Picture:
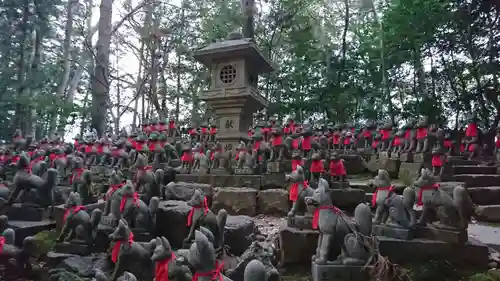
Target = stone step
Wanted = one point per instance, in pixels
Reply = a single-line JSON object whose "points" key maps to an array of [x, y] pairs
{"points": [[474, 169], [463, 162], [478, 180], [488, 213], [488, 195]]}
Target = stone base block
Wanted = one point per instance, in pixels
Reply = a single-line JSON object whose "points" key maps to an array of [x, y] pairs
{"points": [[75, 248], [24, 229], [421, 250], [393, 232], [279, 167], [406, 157], [347, 198], [254, 181], [409, 171], [300, 222], [446, 235], [338, 272], [339, 184], [273, 202], [23, 212], [395, 155], [235, 200], [422, 158], [243, 171], [297, 245]]}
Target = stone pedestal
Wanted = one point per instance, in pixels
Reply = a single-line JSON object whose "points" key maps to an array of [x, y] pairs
{"points": [[279, 167], [300, 222], [395, 155], [406, 157], [75, 248], [23, 212], [243, 171], [446, 235], [339, 184], [347, 198], [422, 158], [339, 272], [393, 232]]}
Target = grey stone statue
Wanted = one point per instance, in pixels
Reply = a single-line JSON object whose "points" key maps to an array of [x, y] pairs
{"points": [[336, 227]]}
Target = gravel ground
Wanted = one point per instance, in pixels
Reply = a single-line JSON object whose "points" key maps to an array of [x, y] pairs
{"points": [[267, 225]]}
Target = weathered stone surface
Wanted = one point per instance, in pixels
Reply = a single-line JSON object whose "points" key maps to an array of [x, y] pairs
{"points": [[449, 236], [183, 191], [422, 158], [354, 164], [409, 170], [84, 266], [385, 163], [393, 232], [489, 195], [60, 210], [478, 180], [273, 181], [273, 202], [368, 187], [237, 234], [421, 250], [339, 272], [297, 246], [253, 181], [236, 200], [459, 160], [279, 166], [25, 213], [262, 251], [172, 219], [474, 169], [347, 198], [449, 186], [24, 229], [406, 157], [488, 213]]}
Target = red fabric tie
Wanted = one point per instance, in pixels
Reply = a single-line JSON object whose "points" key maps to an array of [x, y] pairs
{"points": [[161, 269], [436, 161], [471, 130], [135, 201], [295, 163], [191, 212], [294, 190], [187, 156], [58, 156], [421, 192], [277, 140], [316, 214], [421, 133], [34, 161], [76, 174], [317, 166], [214, 274], [144, 169], [2, 243], [374, 196], [74, 209], [116, 249], [112, 189], [306, 143]]}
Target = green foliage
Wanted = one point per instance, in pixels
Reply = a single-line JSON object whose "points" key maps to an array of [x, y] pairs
{"points": [[45, 241]]}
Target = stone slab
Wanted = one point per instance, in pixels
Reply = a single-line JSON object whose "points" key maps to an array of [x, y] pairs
{"points": [[433, 233], [393, 232], [487, 234], [489, 195], [279, 167], [24, 229], [422, 157], [478, 180], [253, 181], [336, 272], [423, 250], [297, 245], [488, 213], [24, 213], [354, 163], [339, 184], [409, 171], [79, 248], [347, 198], [406, 157], [243, 171], [300, 222]]}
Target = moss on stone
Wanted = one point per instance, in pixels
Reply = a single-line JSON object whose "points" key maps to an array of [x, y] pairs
{"points": [[45, 241]]}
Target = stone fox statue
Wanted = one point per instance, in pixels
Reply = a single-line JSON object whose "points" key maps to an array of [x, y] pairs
{"points": [[128, 254], [14, 260], [23, 181], [452, 211], [336, 227], [202, 257], [166, 265], [299, 190], [390, 205], [77, 221], [127, 205], [201, 215]]}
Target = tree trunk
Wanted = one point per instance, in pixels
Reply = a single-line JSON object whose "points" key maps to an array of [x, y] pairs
{"points": [[100, 80], [66, 68], [20, 113], [31, 80]]}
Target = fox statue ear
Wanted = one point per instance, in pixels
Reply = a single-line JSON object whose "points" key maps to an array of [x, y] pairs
{"points": [[165, 243]]}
